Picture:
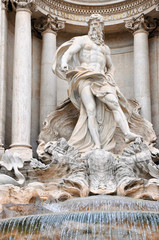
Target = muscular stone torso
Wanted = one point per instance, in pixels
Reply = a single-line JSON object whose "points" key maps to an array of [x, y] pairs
{"points": [[93, 56]]}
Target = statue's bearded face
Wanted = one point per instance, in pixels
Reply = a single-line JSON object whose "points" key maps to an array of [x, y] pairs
{"points": [[95, 32], [95, 26]]}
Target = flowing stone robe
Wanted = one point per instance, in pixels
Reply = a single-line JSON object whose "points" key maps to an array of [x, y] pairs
{"points": [[100, 84]]}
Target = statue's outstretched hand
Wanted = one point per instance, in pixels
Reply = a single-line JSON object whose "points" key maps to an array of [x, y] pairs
{"points": [[64, 67]]}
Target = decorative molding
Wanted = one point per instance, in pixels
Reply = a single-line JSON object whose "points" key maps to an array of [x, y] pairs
{"points": [[141, 23], [81, 13], [47, 23], [93, 2]]}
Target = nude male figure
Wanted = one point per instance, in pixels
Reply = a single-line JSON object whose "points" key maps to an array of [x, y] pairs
{"points": [[94, 56]]}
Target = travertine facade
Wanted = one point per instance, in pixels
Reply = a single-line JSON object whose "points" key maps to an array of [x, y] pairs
{"points": [[29, 90]]}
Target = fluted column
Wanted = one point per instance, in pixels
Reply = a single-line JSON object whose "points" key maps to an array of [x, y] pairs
{"points": [[140, 27], [3, 72], [21, 110], [48, 27]]}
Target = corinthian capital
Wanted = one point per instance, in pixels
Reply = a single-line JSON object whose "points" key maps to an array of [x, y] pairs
{"points": [[29, 4], [141, 23], [48, 23], [5, 4]]}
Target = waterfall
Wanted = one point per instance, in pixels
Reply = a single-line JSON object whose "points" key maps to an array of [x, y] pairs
{"points": [[97, 217]]}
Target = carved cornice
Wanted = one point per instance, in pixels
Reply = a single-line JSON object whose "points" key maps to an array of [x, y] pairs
{"points": [[25, 4], [47, 23], [141, 23], [81, 13]]}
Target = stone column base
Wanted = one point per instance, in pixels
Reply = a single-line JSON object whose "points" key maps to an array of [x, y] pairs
{"points": [[24, 152]]}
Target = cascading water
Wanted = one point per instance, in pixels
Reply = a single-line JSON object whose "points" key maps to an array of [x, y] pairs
{"points": [[97, 217]]}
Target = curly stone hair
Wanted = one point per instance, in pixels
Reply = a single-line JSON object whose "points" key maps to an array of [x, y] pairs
{"points": [[97, 17]]}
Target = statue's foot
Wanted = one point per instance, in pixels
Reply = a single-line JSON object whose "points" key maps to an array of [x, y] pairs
{"points": [[96, 146], [131, 137]]}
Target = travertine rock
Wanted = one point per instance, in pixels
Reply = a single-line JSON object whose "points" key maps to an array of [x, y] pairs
{"points": [[69, 174], [131, 174], [67, 169], [137, 174]]}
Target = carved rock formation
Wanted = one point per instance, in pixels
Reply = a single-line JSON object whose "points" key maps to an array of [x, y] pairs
{"points": [[131, 174], [100, 172]]}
